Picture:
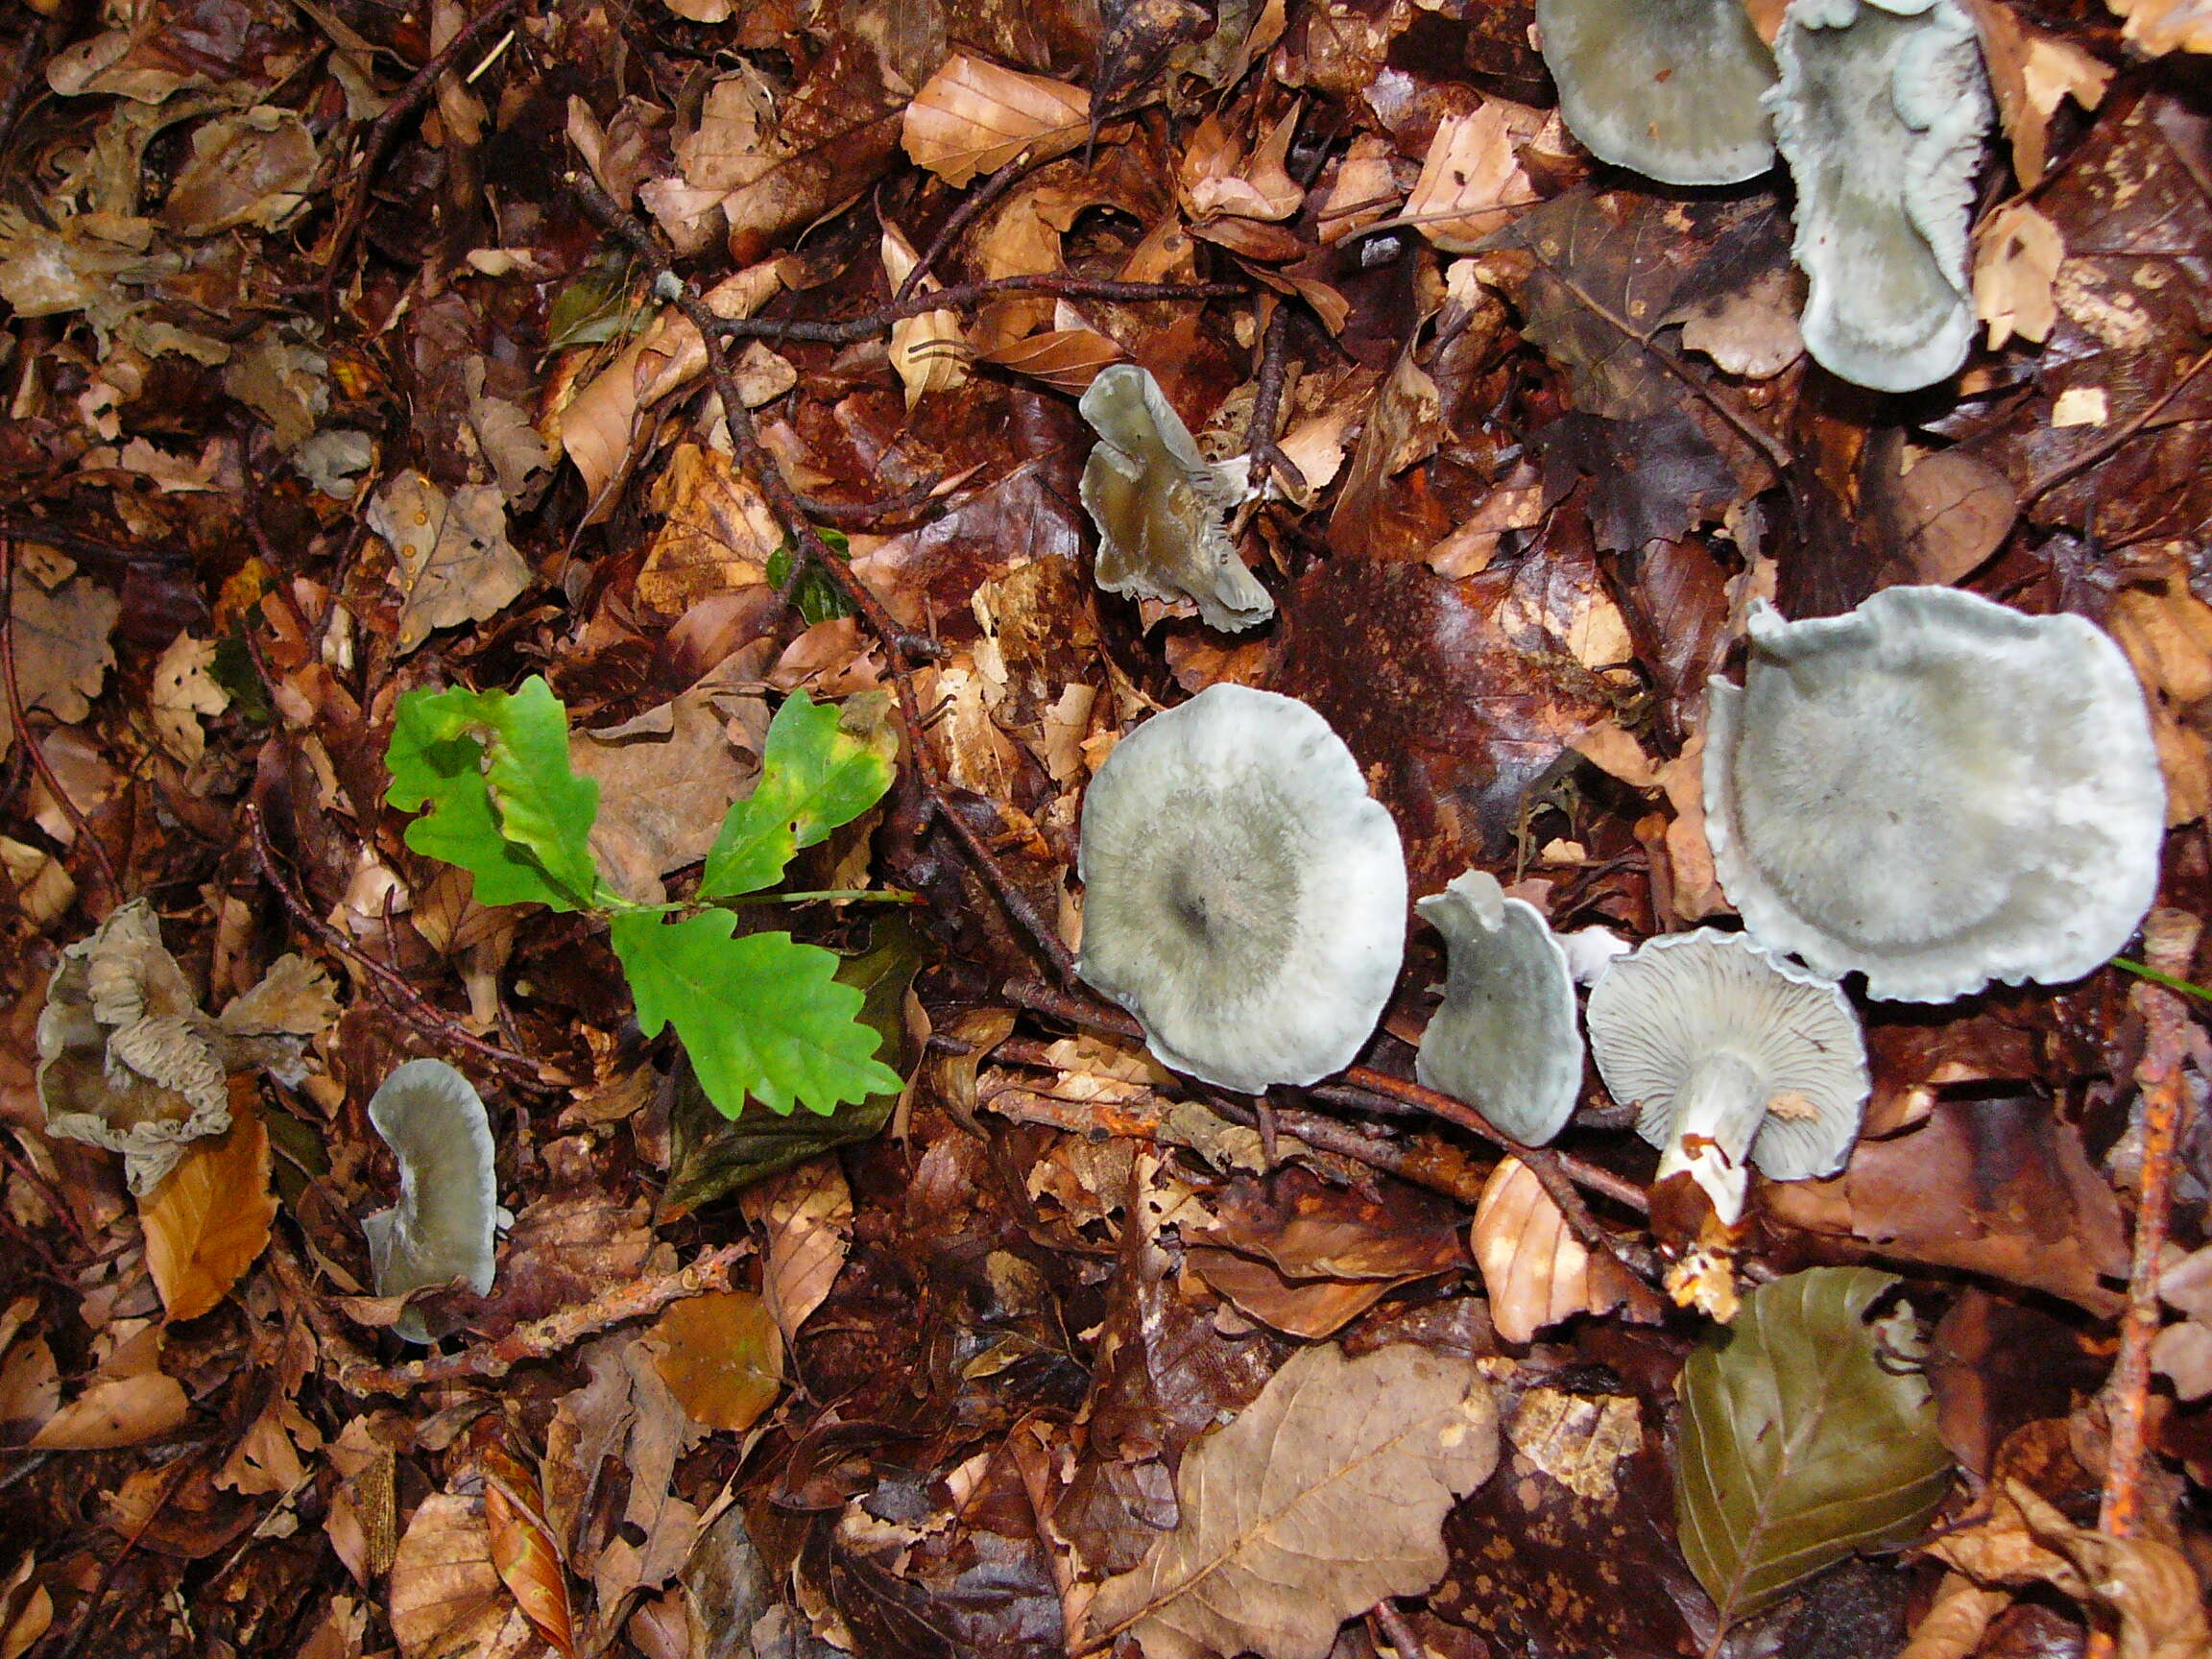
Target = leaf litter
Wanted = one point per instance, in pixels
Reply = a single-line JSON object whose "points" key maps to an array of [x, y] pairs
{"points": [[422, 642]]}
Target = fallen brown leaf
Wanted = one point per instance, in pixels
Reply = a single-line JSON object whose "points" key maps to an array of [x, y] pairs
{"points": [[1324, 1496], [974, 118], [722, 1358], [210, 1218], [808, 1215], [1536, 1271]]}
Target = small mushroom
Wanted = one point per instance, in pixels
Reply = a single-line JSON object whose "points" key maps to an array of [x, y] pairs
{"points": [[1160, 505], [1881, 112], [1505, 1040], [1669, 88], [1725, 1050], [444, 1225], [1244, 896], [1936, 791]]}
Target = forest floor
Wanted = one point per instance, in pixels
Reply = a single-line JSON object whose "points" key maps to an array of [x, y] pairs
{"points": [[352, 355]]}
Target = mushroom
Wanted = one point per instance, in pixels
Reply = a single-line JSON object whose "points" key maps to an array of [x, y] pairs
{"points": [[1936, 791], [1160, 505], [448, 1211], [1726, 1051], [1669, 88], [1505, 1040], [1880, 112], [1244, 896]]}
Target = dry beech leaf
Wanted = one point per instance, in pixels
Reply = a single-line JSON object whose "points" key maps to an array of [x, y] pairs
{"points": [[2147, 1587], [1327, 1494], [1537, 1273], [1219, 177], [26, 1610], [929, 352], [721, 1357], [1470, 181], [445, 1594], [1065, 359], [975, 117], [1954, 512], [2017, 254], [116, 1412], [523, 1552], [453, 563], [2032, 72], [2158, 26], [808, 1215], [209, 1220]]}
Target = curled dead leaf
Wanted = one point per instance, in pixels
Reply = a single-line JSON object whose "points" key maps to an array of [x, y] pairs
{"points": [[975, 117], [1536, 1271]]}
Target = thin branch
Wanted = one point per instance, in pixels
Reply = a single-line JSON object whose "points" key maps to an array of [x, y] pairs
{"points": [[964, 215], [1777, 452], [901, 647], [1268, 406], [402, 109], [556, 1334], [394, 988], [1363, 1087], [871, 323], [22, 727], [2118, 436], [2169, 1041]]}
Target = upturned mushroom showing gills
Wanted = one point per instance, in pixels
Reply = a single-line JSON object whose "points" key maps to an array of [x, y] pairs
{"points": [[1936, 791], [1244, 896], [1505, 1040], [1727, 1053], [1880, 112], [1160, 505], [1669, 88], [445, 1223]]}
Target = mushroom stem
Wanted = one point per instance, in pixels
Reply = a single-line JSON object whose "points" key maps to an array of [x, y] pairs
{"points": [[1716, 1118]]}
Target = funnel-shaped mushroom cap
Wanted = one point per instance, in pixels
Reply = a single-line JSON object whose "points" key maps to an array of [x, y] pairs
{"points": [[1244, 898], [1880, 112], [1505, 1040], [1159, 505], [443, 1224], [1690, 1008], [1937, 791], [1669, 87]]}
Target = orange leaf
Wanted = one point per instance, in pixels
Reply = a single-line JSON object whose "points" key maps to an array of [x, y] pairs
{"points": [[1536, 1271], [523, 1552], [209, 1217], [721, 1357]]}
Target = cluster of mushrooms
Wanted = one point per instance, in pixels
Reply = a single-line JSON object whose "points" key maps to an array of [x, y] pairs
{"points": [[1880, 109], [1934, 791]]}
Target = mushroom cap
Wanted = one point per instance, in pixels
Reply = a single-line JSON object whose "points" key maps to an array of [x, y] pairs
{"points": [[1505, 1041], [1160, 505], [1244, 895], [445, 1223], [1686, 997], [1669, 88], [1880, 111], [1937, 791]]}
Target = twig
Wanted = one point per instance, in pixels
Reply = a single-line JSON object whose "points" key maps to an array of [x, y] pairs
{"points": [[1777, 452], [901, 647], [962, 294], [1363, 1086], [1268, 403], [1386, 1622], [30, 746], [964, 215], [2170, 940], [83, 1627], [402, 109], [2118, 436], [86, 546], [868, 512], [555, 1333], [395, 990]]}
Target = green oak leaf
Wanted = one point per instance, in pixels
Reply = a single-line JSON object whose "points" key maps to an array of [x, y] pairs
{"points": [[1801, 1441], [492, 766], [759, 1016], [814, 776]]}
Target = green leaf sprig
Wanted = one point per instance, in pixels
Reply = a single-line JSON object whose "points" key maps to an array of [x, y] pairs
{"points": [[761, 1016]]}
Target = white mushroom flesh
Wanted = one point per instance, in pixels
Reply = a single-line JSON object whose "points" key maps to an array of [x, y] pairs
{"points": [[444, 1224], [1669, 88], [1244, 895], [1937, 791]]}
